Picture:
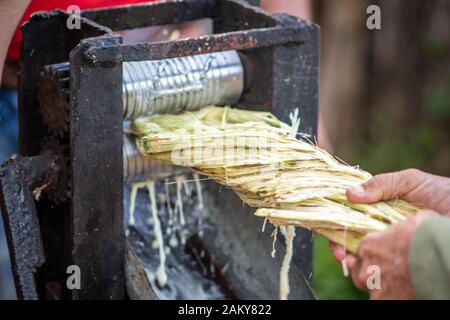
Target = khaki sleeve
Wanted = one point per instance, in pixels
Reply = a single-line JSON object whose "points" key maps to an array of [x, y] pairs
{"points": [[429, 259]]}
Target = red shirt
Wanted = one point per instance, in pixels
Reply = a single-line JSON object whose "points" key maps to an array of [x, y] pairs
{"points": [[47, 5]]}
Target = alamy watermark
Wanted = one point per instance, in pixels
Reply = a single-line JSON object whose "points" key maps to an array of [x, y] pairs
{"points": [[73, 281], [374, 279], [223, 150], [73, 21], [373, 21]]}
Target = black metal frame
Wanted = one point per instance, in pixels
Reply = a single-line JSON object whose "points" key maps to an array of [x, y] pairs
{"points": [[85, 226]]}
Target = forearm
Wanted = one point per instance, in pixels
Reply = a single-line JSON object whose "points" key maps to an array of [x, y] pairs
{"points": [[429, 259], [10, 13]]}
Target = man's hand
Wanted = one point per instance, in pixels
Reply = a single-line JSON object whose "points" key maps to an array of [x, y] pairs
{"points": [[389, 249], [430, 191]]}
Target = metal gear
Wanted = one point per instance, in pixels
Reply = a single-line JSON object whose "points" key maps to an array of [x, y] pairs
{"points": [[53, 97]]}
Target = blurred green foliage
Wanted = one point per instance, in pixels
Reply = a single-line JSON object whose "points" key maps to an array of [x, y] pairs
{"points": [[421, 142], [328, 279], [436, 102], [400, 100]]}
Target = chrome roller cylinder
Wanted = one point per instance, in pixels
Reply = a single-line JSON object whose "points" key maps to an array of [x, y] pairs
{"points": [[180, 84], [136, 167]]}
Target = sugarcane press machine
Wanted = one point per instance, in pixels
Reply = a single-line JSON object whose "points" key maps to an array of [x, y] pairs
{"points": [[64, 198]]}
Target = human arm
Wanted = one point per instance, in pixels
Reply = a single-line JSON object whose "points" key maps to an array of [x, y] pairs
{"points": [[10, 13], [413, 253]]}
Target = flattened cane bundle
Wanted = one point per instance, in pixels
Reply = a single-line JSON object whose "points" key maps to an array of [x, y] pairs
{"points": [[292, 181]]}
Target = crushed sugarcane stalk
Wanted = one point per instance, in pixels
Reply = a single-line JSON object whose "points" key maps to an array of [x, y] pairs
{"points": [[291, 181]]}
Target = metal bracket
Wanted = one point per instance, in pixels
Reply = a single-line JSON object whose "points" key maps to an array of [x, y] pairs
{"points": [[22, 179]]}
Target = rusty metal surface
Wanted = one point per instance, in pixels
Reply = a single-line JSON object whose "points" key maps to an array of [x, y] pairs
{"points": [[22, 179], [48, 41], [236, 40], [96, 168], [137, 283]]}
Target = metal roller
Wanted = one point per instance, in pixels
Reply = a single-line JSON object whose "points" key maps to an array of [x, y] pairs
{"points": [[149, 87], [179, 84]]}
